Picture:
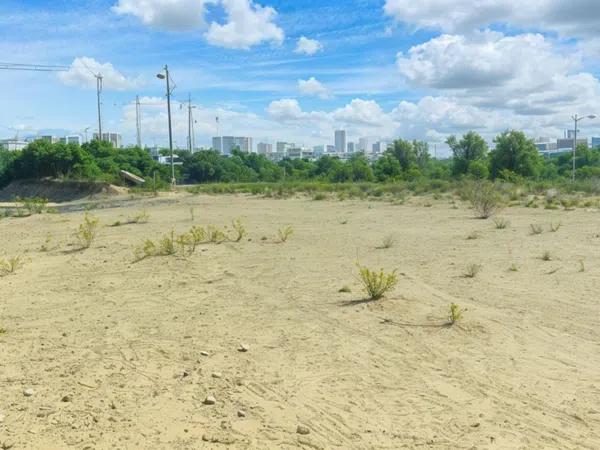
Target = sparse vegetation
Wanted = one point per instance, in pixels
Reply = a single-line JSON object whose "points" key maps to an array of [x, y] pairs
{"points": [[47, 245], [546, 256], [473, 270], [215, 235], [10, 265], [285, 233], [581, 266], [320, 196], [554, 227], [86, 233], [345, 289], [455, 314], [536, 229], [376, 284], [240, 230], [501, 223], [485, 199], [513, 268], [141, 217]]}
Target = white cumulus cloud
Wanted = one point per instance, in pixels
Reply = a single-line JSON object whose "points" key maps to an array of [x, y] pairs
{"points": [[83, 70], [308, 46], [313, 87], [247, 24], [175, 15]]}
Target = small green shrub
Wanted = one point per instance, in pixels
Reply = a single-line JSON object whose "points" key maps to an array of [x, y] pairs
{"points": [[536, 229], [455, 314], [47, 245], [484, 198], [11, 265], [319, 196], [215, 235], [501, 223], [554, 227], [513, 268], [240, 230], [167, 245], [86, 233], [376, 284], [473, 270], [285, 233]]}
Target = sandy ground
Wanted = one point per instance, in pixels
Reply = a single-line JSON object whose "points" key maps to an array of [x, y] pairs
{"points": [[123, 343]]}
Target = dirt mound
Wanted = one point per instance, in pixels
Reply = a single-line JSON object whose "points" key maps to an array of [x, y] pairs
{"points": [[58, 191]]}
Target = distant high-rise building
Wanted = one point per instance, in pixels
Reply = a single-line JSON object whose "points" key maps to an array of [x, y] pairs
{"points": [[380, 146], [365, 145], [114, 138], [596, 142], [351, 147], [226, 144], [330, 149], [570, 134], [318, 150], [568, 143], [263, 148], [73, 139], [340, 141], [282, 147], [48, 138]]}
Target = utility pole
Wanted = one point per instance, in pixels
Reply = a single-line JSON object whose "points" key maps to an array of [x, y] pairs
{"points": [[168, 78], [138, 121], [219, 136], [191, 138], [576, 119], [98, 92]]}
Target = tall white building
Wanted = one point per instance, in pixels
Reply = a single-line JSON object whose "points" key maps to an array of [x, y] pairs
{"points": [[114, 138], [263, 148], [226, 144], [72, 139], [340, 141], [365, 145], [283, 147]]}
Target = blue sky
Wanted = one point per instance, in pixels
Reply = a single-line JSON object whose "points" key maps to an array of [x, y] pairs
{"points": [[377, 68]]}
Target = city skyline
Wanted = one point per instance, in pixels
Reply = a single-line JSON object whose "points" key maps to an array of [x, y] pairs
{"points": [[298, 71]]}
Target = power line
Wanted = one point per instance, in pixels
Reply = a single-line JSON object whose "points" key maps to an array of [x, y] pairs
{"points": [[33, 67]]}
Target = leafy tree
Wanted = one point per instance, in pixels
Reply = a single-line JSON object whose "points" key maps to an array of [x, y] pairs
{"points": [[405, 153], [515, 153], [471, 147], [387, 168]]}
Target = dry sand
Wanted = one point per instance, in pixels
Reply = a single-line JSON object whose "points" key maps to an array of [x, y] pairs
{"points": [[123, 342]]}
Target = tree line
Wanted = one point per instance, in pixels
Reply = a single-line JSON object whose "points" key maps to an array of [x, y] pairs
{"points": [[513, 157]]}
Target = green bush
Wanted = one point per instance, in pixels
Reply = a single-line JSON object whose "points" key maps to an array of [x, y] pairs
{"points": [[376, 284]]}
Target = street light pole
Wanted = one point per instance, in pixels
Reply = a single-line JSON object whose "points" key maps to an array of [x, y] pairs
{"points": [[167, 77], [576, 119]]}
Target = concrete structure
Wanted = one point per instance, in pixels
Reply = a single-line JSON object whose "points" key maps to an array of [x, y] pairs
{"points": [[225, 144], [340, 141], [365, 144], [330, 149], [546, 147], [72, 139], [562, 144], [13, 145], [263, 148], [47, 138], [351, 147], [596, 142], [284, 146], [114, 138], [380, 147]]}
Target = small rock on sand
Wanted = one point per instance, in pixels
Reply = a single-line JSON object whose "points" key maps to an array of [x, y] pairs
{"points": [[203, 353], [217, 375], [241, 413], [2, 417], [28, 392], [67, 398], [243, 348], [302, 429], [210, 400]]}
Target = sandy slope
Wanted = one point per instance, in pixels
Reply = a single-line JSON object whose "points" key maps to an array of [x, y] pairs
{"points": [[125, 340]]}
